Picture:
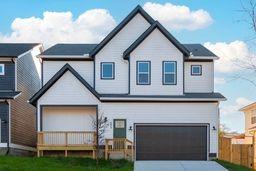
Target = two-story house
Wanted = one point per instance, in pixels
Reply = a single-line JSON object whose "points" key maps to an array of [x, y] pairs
{"points": [[19, 80], [250, 122], [152, 91]]}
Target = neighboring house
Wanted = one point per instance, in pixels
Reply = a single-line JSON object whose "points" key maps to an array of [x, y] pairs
{"points": [[19, 80], [152, 90], [250, 121]]}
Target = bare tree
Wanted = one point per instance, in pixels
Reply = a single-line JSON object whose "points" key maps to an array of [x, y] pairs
{"points": [[248, 64], [99, 124]]}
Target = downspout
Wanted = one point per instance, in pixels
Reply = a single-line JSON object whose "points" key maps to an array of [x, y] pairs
{"points": [[8, 139]]}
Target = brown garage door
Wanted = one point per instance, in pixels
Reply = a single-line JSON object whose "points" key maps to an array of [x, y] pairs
{"points": [[165, 142]]}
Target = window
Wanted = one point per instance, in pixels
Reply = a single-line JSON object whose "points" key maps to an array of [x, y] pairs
{"points": [[1, 69], [253, 119], [143, 72], [169, 72], [196, 70], [107, 70]]}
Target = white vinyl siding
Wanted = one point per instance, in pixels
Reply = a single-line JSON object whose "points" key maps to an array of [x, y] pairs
{"points": [[200, 84], [204, 113], [156, 48], [84, 68], [113, 51]]}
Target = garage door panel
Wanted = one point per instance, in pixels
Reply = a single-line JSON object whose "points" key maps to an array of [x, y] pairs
{"points": [[165, 142]]}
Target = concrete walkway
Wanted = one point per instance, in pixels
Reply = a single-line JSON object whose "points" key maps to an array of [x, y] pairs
{"points": [[177, 166]]}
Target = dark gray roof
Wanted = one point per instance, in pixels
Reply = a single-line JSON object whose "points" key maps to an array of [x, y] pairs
{"points": [[8, 95], [69, 49], [168, 35], [198, 50], [15, 49], [186, 95]]}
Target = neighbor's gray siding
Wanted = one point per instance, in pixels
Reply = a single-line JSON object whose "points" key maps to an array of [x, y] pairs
{"points": [[23, 115], [7, 81], [4, 115]]}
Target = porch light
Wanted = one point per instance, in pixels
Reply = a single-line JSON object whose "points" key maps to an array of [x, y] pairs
{"points": [[105, 119], [130, 128], [214, 128]]}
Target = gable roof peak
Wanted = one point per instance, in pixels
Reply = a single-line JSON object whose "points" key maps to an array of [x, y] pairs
{"points": [[120, 26], [165, 32]]}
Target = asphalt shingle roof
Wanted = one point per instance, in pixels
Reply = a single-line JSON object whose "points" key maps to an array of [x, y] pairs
{"points": [[8, 95], [198, 50], [69, 49], [15, 49]]}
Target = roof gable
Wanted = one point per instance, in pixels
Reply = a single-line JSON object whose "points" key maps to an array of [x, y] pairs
{"points": [[157, 25], [55, 78], [120, 26]]}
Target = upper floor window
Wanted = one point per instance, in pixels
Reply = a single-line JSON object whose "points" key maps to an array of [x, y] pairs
{"points": [[253, 119], [107, 70], [196, 70], [169, 72], [1, 69], [143, 72]]}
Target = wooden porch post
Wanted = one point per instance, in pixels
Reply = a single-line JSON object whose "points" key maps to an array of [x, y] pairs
{"points": [[106, 149]]}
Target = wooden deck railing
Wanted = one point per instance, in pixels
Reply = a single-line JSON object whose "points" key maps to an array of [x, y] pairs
{"points": [[66, 140], [119, 145]]}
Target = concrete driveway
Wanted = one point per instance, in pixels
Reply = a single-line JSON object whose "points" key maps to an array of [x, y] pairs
{"points": [[177, 166]]}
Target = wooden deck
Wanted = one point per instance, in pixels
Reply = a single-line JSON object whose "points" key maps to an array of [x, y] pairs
{"points": [[119, 145], [66, 141]]}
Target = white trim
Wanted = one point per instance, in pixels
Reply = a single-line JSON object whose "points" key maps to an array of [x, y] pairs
{"points": [[9, 122], [200, 70], [204, 57], [142, 72], [112, 70], [64, 56], [207, 125], [161, 99], [174, 72], [22, 147], [3, 72], [15, 65], [3, 144]]}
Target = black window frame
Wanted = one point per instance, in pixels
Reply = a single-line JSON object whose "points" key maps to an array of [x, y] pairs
{"points": [[201, 70], [113, 71], [163, 73], [149, 72]]}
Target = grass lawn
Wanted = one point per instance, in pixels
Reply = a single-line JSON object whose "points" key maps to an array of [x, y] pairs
{"points": [[233, 167], [60, 163]]}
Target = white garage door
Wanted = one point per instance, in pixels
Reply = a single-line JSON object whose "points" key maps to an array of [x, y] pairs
{"points": [[68, 118]]}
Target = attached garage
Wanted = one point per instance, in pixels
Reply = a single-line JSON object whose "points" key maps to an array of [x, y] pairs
{"points": [[171, 142]]}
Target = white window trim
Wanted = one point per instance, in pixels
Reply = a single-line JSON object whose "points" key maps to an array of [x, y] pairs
{"points": [[139, 72], [200, 70], [113, 70], [170, 72], [2, 73]]}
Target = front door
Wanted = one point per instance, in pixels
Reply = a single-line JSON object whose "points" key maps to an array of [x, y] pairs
{"points": [[119, 128]]}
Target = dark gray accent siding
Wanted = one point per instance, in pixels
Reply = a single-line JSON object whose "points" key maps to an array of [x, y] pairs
{"points": [[7, 81], [23, 115], [4, 116]]}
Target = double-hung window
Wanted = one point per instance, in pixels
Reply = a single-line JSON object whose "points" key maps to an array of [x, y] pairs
{"points": [[143, 72], [1, 69], [169, 72], [107, 70], [196, 70]]}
